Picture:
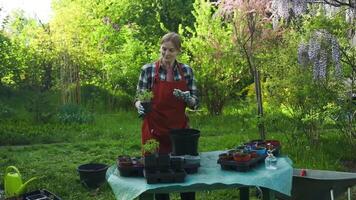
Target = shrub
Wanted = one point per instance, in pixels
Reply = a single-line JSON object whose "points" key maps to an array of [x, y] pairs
{"points": [[6, 111], [41, 107]]}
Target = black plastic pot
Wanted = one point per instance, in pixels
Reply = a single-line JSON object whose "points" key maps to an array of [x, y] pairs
{"points": [[92, 175], [40, 195], [150, 161], [184, 141]]}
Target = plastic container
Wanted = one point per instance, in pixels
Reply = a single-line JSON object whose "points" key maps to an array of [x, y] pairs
{"points": [[239, 166], [92, 175], [184, 141], [271, 161], [165, 176], [134, 169], [192, 159], [40, 195]]}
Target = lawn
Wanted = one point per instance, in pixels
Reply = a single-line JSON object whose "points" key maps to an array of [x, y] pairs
{"points": [[57, 153]]}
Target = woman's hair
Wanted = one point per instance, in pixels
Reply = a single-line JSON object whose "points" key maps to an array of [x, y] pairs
{"points": [[174, 38]]}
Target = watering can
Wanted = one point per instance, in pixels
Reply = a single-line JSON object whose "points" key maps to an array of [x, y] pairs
{"points": [[14, 186]]}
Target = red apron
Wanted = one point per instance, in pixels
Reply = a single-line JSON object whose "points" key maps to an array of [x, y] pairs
{"points": [[167, 112]]}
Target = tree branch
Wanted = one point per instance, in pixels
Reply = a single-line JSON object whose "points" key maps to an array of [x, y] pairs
{"points": [[338, 3]]}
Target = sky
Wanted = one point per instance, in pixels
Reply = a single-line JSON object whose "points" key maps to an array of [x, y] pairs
{"points": [[33, 8]]}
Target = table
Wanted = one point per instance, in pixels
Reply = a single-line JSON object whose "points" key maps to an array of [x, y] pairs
{"points": [[209, 177]]}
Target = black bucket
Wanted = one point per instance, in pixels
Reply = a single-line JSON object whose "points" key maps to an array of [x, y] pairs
{"points": [[92, 175], [184, 141]]}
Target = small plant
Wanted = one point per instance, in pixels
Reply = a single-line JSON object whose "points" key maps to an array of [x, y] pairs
{"points": [[151, 146], [145, 96]]}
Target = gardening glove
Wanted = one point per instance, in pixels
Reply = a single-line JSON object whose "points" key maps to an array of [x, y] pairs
{"points": [[185, 96], [140, 108]]}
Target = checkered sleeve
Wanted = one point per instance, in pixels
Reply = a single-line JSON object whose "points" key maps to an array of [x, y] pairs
{"points": [[192, 85]]}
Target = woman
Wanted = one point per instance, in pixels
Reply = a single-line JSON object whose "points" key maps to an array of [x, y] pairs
{"points": [[174, 88]]}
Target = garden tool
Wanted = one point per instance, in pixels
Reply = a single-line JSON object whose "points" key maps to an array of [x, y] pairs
{"points": [[14, 186]]}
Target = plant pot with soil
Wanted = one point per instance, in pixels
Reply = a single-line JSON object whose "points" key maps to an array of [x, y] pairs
{"points": [[145, 97], [260, 150], [184, 141], [242, 157], [124, 161], [150, 149]]}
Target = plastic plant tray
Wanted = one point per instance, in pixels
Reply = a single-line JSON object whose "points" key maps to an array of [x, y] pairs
{"points": [[191, 168], [164, 176], [240, 166], [131, 171], [40, 195], [134, 170]]}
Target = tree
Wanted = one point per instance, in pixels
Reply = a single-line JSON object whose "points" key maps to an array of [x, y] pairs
{"points": [[218, 68], [250, 21]]}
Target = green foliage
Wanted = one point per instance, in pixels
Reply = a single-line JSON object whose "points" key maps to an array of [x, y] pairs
{"points": [[119, 134], [41, 107], [151, 146], [311, 103], [217, 65], [72, 113], [176, 13], [145, 95], [6, 112]]}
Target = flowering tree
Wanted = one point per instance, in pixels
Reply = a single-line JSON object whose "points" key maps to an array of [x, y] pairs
{"points": [[249, 19], [317, 52]]}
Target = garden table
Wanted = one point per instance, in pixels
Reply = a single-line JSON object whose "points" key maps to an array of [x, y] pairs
{"points": [[209, 177]]}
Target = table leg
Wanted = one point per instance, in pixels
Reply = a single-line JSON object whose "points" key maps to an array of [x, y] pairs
{"points": [[146, 196], [244, 193], [267, 194]]}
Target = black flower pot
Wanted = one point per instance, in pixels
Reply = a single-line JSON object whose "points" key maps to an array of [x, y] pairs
{"points": [[184, 141], [92, 175], [150, 161]]}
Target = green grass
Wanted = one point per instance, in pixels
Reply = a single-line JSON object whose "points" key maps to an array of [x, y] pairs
{"points": [[56, 150]]}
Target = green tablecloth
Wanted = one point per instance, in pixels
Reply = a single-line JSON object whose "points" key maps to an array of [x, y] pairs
{"points": [[209, 176]]}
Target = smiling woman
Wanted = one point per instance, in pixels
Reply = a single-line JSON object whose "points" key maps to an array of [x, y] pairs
{"points": [[38, 9]]}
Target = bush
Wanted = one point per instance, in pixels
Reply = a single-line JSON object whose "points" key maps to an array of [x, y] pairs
{"points": [[41, 107], [72, 113], [121, 100], [6, 111]]}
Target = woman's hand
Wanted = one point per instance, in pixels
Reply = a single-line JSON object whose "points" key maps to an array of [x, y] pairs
{"points": [[185, 96], [140, 108]]}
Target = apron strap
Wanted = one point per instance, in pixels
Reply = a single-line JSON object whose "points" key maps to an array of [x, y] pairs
{"points": [[157, 65]]}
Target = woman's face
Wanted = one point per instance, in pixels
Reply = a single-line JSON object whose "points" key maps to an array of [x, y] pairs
{"points": [[168, 52]]}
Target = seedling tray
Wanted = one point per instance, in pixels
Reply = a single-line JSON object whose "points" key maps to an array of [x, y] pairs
{"points": [[131, 171], [191, 168], [164, 176], [40, 195], [240, 166]]}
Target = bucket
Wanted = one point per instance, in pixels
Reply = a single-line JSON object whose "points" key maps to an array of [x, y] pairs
{"points": [[92, 175], [184, 141]]}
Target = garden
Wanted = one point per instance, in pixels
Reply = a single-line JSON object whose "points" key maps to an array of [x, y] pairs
{"points": [[265, 69]]}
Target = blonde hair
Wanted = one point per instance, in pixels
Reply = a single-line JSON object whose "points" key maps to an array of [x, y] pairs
{"points": [[174, 38]]}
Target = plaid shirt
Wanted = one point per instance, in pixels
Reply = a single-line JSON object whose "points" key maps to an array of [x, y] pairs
{"points": [[145, 81]]}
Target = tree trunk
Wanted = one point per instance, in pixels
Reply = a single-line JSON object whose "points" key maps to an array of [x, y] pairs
{"points": [[260, 125]]}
